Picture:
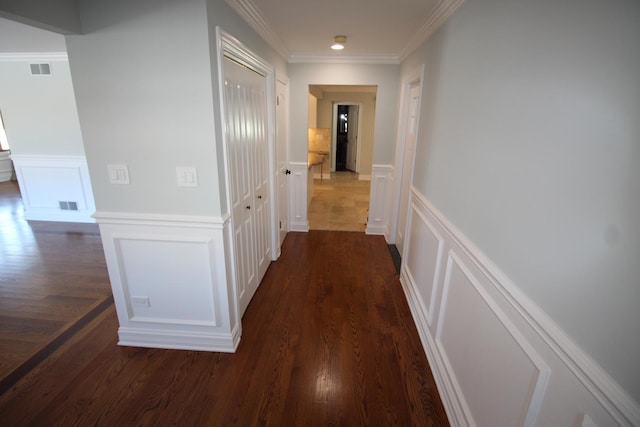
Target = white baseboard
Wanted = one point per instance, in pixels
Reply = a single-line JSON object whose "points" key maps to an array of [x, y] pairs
{"points": [[364, 177], [45, 181], [298, 188], [381, 185], [489, 346], [179, 340], [172, 280]]}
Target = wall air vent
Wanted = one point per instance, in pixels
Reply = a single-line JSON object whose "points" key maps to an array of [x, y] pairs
{"points": [[40, 69], [69, 206]]}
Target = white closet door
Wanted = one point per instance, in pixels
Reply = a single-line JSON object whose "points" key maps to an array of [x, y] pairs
{"points": [[247, 141]]}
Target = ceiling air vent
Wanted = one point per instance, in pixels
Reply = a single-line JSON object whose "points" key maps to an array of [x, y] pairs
{"points": [[40, 69]]}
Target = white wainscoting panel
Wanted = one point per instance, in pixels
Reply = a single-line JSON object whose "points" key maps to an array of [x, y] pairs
{"points": [[172, 281], [498, 360], [6, 168], [472, 328], [298, 188], [45, 181], [423, 239], [380, 200]]}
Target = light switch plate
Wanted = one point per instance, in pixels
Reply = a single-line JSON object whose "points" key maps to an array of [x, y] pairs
{"points": [[187, 176], [118, 174]]}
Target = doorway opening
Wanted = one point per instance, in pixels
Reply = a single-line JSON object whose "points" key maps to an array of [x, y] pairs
{"points": [[341, 124]]}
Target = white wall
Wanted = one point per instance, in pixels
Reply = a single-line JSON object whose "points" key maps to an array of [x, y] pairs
{"points": [[529, 146], [386, 77]]}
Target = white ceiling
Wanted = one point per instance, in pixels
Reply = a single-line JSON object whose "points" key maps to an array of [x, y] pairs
{"points": [[377, 30]]}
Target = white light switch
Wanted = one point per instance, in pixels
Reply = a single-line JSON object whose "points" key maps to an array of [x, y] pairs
{"points": [[187, 176], [118, 174]]}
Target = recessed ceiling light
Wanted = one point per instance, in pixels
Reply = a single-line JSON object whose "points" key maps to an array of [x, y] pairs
{"points": [[339, 42]]}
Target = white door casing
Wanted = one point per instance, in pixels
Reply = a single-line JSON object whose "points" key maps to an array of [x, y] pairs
{"points": [[282, 127], [352, 138], [334, 134], [410, 131]]}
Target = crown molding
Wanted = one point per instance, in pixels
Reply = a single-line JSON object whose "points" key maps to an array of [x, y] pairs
{"points": [[353, 59], [250, 13], [443, 10], [33, 56]]}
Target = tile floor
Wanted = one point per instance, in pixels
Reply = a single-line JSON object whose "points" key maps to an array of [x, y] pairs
{"points": [[340, 203]]}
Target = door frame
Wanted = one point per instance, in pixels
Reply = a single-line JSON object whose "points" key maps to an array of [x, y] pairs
{"points": [[334, 133], [416, 76]]}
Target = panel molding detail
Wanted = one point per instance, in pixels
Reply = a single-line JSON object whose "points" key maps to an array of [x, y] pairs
{"points": [[298, 192], [171, 278], [485, 338], [45, 181], [380, 200], [6, 168]]}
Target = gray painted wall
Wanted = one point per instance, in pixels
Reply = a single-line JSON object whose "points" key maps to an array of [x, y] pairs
{"points": [[39, 112], [145, 76], [530, 145], [60, 15]]}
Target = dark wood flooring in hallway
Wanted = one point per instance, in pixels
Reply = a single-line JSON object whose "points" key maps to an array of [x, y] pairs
{"points": [[328, 339]]}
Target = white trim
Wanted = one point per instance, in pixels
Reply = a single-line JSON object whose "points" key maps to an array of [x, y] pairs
{"points": [[364, 177], [379, 200], [437, 273], [436, 18], [600, 386], [334, 132], [162, 220], [39, 178], [215, 325], [33, 56], [298, 58], [179, 340], [298, 201], [252, 16], [416, 76], [535, 398]]}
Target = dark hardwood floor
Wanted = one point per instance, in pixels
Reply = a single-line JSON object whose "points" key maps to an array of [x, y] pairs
{"points": [[52, 275], [327, 340]]}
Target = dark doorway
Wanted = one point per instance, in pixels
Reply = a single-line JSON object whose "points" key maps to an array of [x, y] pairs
{"points": [[342, 137]]}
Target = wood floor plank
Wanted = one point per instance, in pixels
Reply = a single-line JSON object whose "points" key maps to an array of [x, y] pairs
{"points": [[328, 339]]}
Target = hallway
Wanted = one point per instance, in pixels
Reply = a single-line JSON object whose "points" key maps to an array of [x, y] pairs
{"points": [[328, 339], [340, 203]]}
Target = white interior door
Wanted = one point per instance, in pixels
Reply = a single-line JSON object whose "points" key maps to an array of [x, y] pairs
{"points": [[352, 138], [282, 115], [247, 141], [411, 125]]}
